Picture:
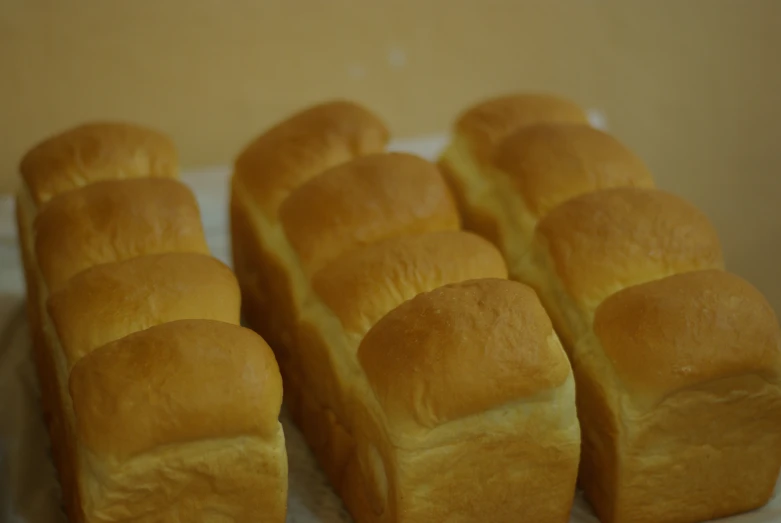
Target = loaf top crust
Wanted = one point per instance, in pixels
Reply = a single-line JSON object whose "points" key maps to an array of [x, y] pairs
{"points": [[112, 300], [551, 163], [365, 200], [611, 239], [486, 124], [96, 151], [687, 329], [114, 220], [143, 391], [304, 145], [462, 349], [363, 285]]}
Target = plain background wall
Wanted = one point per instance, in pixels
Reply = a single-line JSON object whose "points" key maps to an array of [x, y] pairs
{"points": [[693, 86]]}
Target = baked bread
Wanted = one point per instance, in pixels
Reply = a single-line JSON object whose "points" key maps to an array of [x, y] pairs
{"points": [[676, 361], [680, 396], [160, 406], [542, 162], [481, 129], [429, 386], [596, 244]]}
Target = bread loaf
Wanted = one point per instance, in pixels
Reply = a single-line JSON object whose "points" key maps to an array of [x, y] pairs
{"points": [[160, 407], [429, 386], [677, 362]]}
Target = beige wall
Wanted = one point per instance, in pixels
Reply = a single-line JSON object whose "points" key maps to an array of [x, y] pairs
{"points": [[694, 86]]}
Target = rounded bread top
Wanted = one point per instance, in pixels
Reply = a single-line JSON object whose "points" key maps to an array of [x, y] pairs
{"points": [[111, 300], [688, 329], [460, 350], [96, 151], [551, 163], [486, 124], [363, 285], [115, 220], [147, 390], [604, 241], [304, 145], [368, 199]]}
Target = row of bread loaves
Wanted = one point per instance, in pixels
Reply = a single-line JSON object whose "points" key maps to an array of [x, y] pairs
{"points": [[677, 362], [160, 407], [430, 387]]}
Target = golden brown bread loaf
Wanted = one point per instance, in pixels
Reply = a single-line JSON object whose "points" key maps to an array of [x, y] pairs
{"points": [[160, 407], [429, 386], [677, 362]]}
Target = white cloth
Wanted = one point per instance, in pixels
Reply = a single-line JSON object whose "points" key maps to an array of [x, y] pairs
{"points": [[28, 489]]}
